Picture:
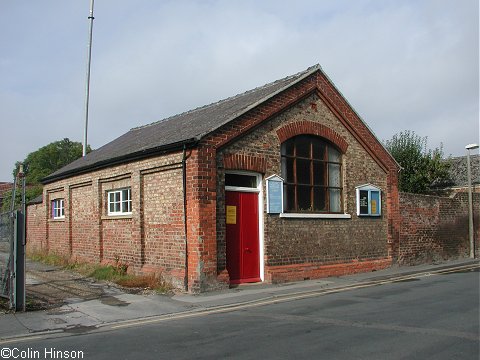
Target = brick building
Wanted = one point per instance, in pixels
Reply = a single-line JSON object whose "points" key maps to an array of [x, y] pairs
{"points": [[283, 182]]}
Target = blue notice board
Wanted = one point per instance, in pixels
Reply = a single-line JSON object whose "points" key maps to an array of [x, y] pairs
{"points": [[274, 194]]}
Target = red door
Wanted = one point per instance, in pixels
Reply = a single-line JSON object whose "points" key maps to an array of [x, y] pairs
{"points": [[243, 250]]}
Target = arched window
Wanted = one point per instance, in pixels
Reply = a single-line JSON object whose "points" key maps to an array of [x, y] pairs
{"points": [[312, 170]]}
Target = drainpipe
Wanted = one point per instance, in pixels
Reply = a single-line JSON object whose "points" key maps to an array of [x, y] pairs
{"points": [[184, 175]]}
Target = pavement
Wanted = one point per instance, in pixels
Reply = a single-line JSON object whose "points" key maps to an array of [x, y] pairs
{"points": [[88, 305]]}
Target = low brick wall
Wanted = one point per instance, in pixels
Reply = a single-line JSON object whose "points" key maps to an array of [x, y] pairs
{"points": [[435, 228], [286, 273]]}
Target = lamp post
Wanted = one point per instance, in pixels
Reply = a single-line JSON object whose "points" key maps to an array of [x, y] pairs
{"points": [[470, 200]]}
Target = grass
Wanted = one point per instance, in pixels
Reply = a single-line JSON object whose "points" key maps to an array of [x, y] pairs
{"points": [[116, 273], [49, 259]]}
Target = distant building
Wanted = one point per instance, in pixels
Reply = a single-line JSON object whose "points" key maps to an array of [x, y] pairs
{"points": [[458, 173]]}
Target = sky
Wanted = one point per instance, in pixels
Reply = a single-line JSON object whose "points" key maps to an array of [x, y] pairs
{"points": [[402, 64]]}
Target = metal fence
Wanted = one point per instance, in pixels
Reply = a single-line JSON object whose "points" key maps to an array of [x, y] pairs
{"points": [[8, 225]]}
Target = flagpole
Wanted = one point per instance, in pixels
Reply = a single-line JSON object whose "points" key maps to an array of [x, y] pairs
{"points": [[87, 86]]}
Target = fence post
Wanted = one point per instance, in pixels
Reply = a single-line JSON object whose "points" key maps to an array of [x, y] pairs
{"points": [[20, 298]]}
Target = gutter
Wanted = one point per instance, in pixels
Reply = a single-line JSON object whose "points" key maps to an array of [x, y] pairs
{"points": [[190, 143], [184, 184]]}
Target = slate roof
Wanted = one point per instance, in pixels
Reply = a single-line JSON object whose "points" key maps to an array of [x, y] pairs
{"points": [[458, 170], [173, 132]]}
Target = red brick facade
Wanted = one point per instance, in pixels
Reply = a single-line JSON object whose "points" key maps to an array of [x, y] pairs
{"points": [[153, 238], [435, 228]]}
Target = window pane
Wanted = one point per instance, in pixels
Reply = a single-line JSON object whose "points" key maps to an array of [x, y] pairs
{"points": [[116, 207], [112, 207], [125, 206], [334, 175], [287, 147], [248, 181], [304, 198], [335, 200], [117, 196], [126, 194], [289, 194], [318, 150], [363, 199], [319, 173], [319, 198], [333, 154], [303, 146], [290, 173], [375, 202], [303, 171], [111, 197]]}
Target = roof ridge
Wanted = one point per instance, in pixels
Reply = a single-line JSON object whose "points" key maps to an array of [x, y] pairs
{"points": [[265, 86]]}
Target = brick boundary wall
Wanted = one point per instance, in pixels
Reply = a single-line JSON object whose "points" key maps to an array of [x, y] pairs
{"points": [[286, 273], [435, 228], [36, 228]]}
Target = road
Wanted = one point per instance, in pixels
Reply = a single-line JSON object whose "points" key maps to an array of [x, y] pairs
{"points": [[429, 317]]}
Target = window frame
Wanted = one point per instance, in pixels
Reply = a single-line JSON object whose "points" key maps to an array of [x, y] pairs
{"points": [[326, 147], [370, 189], [58, 208], [120, 202]]}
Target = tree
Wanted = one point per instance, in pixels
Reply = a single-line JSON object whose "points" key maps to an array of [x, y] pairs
{"points": [[50, 158], [422, 169], [43, 162]]}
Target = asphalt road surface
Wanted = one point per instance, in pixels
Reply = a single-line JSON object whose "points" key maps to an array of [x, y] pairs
{"points": [[430, 317]]}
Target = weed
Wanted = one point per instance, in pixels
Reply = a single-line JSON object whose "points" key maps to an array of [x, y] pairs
{"points": [[116, 273], [49, 258]]}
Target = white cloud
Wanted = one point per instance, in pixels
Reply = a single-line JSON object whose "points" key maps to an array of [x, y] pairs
{"points": [[402, 65]]}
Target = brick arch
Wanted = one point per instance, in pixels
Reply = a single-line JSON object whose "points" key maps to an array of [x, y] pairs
{"points": [[308, 127], [245, 162]]}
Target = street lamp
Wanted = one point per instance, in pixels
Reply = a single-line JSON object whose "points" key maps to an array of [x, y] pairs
{"points": [[470, 200]]}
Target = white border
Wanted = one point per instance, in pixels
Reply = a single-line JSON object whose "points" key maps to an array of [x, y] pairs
{"points": [[259, 190], [369, 188], [315, 216], [279, 179], [62, 201], [119, 213]]}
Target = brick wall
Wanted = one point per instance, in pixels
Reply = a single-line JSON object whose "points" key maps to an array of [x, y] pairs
{"points": [[435, 228], [36, 228], [84, 227], [151, 239], [163, 223], [309, 243]]}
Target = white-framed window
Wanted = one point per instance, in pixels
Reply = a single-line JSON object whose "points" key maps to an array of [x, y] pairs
{"points": [[369, 200], [119, 202], [58, 209]]}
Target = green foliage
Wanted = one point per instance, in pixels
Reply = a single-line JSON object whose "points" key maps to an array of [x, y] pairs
{"points": [[422, 169], [31, 192], [41, 163], [50, 158]]}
